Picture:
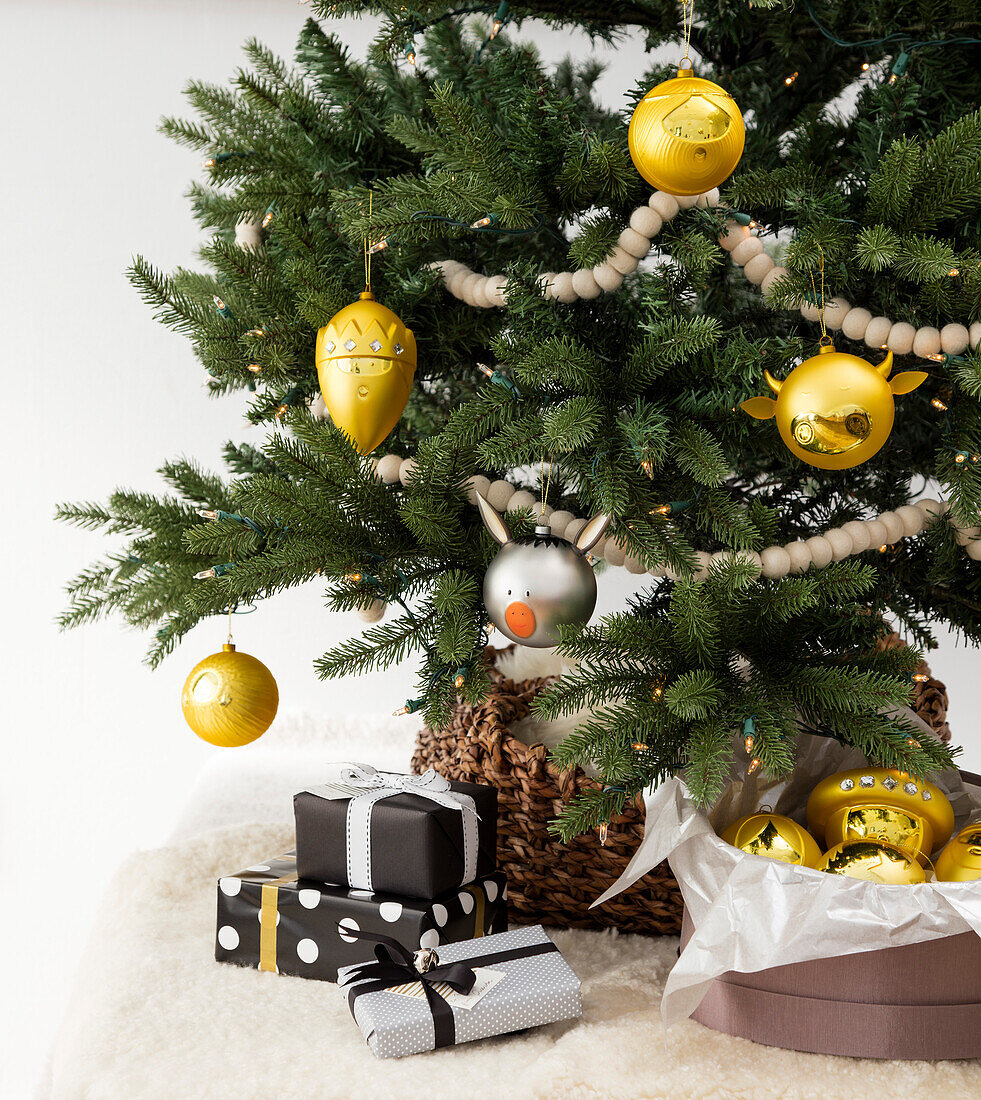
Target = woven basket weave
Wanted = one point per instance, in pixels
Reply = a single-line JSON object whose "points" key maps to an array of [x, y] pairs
{"points": [[550, 882]]}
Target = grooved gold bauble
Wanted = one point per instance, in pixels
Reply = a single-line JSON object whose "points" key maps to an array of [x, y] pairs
{"points": [[230, 698], [366, 361], [873, 860], [883, 804], [686, 135], [834, 411], [774, 836], [960, 861]]}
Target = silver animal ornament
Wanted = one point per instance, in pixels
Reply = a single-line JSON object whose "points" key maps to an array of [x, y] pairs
{"points": [[539, 582]]}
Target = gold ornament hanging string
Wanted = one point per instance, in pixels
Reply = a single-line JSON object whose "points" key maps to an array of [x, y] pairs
{"points": [[825, 338], [548, 483], [364, 243], [687, 18]]}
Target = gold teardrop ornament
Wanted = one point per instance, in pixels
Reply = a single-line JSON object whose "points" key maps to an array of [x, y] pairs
{"points": [[686, 135], [230, 698], [774, 836], [366, 362]]}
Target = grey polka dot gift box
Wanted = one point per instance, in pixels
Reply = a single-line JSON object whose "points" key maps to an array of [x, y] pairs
{"points": [[406, 1002], [271, 919]]}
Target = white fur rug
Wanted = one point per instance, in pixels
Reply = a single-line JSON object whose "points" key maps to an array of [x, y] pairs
{"points": [[153, 1015]]}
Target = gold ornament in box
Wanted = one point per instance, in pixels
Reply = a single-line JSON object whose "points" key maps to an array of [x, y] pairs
{"points": [[873, 860], [686, 135], [230, 698], [774, 836], [960, 861], [880, 804], [366, 363], [834, 411]]}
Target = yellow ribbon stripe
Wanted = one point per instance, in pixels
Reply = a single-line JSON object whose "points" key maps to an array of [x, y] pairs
{"points": [[478, 913]]}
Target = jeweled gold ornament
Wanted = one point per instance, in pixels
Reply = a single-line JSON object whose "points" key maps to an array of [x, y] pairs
{"points": [[686, 135], [960, 861], [880, 804], [774, 836], [366, 361], [834, 411], [230, 698], [873, 860]]}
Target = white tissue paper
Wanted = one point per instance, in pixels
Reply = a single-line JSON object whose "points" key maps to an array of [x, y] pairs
{"points": [[750, 913]]}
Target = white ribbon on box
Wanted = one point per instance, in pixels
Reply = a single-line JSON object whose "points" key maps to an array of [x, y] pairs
{"points": [[750, 913], [365, 786]]}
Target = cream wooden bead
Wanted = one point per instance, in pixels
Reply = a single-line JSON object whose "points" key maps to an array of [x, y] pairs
{"points": [[478, 292], [840, 542], [746, 250], [974, 334], [708, 200], [835, 311], [895, 528], [499, 286], [373, 613], [855, 323], [607, 277], [809, 311], [455, 279], [468, 287], [614, 553], [522, 501], [932, 509], [820, 550], [954, 339], [686, 202], [573, 527], [560, 521], [901, 337], [878, 533], [734, 235], [388, 468], [621, 260], [562, 289], [703, 561], [973, 548], [634, 564], [757, 269], [912, 519], [776, 562], [772, 277], [800, 556], [633, 242], [542, 512], [926, 342], [498, 494], [877, 333], [964, 535], [248, 233], [646, 221], [585, 285], [666, 205], [858, 532], [474, 485], [407, 470]]}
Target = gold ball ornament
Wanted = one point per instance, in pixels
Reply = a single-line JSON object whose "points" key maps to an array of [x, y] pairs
{"points": [[366, 362], [874, 861], [834, 411], [774, 836], [686, 135], [880, 804], [960, 861], [230, 698]]}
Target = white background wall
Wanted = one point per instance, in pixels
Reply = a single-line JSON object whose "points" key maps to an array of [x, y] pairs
{"points": [[96, 758]]}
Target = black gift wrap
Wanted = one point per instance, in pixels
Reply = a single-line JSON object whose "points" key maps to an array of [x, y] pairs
{"points": [[416, 845], [271, 919]]}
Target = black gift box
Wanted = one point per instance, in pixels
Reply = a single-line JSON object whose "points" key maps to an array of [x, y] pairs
{"points": [[271, 919], [416, 845]]}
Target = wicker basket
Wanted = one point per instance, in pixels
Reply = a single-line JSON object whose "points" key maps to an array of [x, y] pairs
{"points": [[553, 883]]}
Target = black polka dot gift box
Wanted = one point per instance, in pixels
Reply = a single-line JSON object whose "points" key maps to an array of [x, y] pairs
{"points": [[406, 1001], [270, 918]]}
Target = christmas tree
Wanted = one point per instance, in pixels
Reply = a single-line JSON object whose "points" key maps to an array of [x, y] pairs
{"points": [[509, 229]]}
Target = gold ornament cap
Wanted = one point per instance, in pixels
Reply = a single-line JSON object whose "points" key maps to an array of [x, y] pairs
{"points": [[880, 803], [366, 363], [960, 861], [774, 836], [874, 861]]}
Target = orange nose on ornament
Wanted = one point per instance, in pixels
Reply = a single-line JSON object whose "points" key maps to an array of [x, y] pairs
{"points": [[520, 619]]}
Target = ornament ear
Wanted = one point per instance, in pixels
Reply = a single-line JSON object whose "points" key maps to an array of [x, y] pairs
{"points": [[760, 407], [886, 365], [493, 521], [590, 535], [773, 383], [908, 381]]}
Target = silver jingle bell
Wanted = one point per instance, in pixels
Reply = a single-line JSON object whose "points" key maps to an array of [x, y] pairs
{"points": [[424, 960]]}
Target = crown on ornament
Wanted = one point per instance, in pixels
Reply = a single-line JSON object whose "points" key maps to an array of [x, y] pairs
{"points": [[366, 328]]}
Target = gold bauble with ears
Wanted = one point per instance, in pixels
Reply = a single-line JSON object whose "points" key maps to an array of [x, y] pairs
{"points": [[774, 836], [874, 861], [834, 411], [960, 861]]}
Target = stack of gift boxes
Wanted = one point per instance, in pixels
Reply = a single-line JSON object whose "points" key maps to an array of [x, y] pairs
{"points": [[389, 871]]}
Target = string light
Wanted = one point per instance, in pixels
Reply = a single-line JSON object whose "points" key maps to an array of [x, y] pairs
{"points": [[354, 578], [912, 742], [500, 18], [939, 405], [221, 307], [214, 571], [206, 513], [484, 222], [267, 219], [865, 66], [954, 271], [257, 332], [410, 56], [883, 548], [788, 80], [749, 731], [378, 246], [460, 679], [499, 379], [603, 830], [254, 367], [639, 746], [411, 706], [753, 765], [656, 692], [920, 678]]}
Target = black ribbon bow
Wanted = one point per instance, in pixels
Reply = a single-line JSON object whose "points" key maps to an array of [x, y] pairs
{"points": [[395, 966]]}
